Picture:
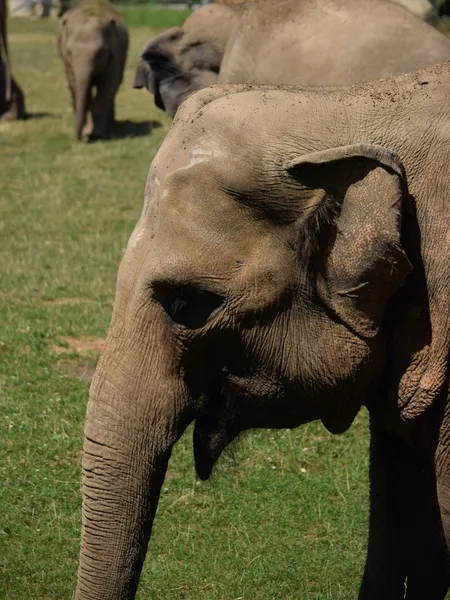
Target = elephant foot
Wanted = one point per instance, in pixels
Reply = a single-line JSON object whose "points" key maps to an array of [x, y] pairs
{"points": [[88, 128], [15, 110], [97, 136], [100, 133], [87, 132], [94, 132]]}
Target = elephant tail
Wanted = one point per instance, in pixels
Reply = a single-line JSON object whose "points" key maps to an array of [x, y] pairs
{"points": [[82, 101]]}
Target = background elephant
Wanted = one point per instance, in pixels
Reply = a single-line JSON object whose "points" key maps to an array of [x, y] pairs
{"points": [[426, 10], [93, 43], [301, 43], [184, 59], [321, 43], [290, 264], [12, 100]]}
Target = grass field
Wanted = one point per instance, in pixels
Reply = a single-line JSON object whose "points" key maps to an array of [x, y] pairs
{"points": [[152, 16], [285, 518]]}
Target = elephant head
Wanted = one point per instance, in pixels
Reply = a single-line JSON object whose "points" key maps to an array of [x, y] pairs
{"points": [[185, 59], [252, 293]]}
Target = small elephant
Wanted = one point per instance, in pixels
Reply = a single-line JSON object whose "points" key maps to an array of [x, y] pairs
{"points": [[184, 59], [12, 100], [311, 42], [93, 43], [291, 263]]}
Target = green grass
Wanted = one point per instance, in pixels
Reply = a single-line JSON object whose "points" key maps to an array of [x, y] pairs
{"points": [[286, 518], [137, 15], [149, 16]]}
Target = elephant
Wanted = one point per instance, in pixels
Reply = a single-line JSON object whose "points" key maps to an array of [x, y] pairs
{"points": [[370, 40], [427, 10], [308, 42], [93, 44], [12, 99], [184, 59], [290, 264]]}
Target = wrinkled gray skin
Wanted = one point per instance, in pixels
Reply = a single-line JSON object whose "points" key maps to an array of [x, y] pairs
{"points": [[290, 264], [184, 59], [308, 42], [93, 43]]}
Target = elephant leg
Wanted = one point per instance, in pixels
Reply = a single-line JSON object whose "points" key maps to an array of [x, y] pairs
{"points": [[103, 104], [15, 108], [111, 114], [407, 556], [72, 97], [71, 83], [88, 126]]}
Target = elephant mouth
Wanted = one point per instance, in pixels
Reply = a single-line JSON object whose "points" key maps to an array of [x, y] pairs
{"points": [[248, 401], [217, 427], [234, 404]]}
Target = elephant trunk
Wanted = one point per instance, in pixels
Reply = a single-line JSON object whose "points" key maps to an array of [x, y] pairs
{"points": [[82, 95], [134, 417], [442, 468]]}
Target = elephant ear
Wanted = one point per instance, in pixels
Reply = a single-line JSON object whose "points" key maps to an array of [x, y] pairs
{"points": [[158, 70], [143, 77], [111, 31], [63, 35], [355, 223]]}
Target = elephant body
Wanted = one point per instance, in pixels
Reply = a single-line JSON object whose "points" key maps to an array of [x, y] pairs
{"points": [[427, 10], [323, 42], [290, 264], [12, 100], [93, 44], [312, 42]]}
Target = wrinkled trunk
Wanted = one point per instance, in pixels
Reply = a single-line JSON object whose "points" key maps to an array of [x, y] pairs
{"points": [[137, 411], [82, 96], [442, 464]]}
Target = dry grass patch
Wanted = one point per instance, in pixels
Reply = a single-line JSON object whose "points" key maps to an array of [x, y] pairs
{"points": [[66, 301], [83, 346], [76, 369]]}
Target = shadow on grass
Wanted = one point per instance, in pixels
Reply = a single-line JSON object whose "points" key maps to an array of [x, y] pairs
{"points": [[129, 129], [41, 115]]}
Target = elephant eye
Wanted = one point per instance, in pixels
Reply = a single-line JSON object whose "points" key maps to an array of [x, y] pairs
{"points": [[187, 305]]}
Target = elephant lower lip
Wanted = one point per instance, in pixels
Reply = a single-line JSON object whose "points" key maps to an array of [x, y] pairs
{"points": [[217, 427], [211, 437], [252, 386]]}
